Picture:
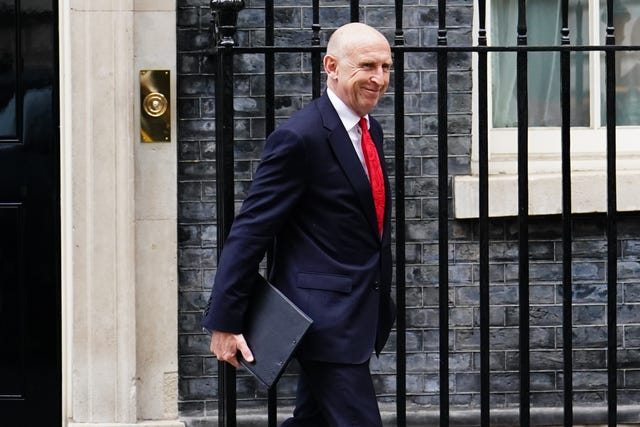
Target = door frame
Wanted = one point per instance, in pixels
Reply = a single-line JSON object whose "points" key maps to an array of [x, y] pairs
{"points": [[118, 218]]}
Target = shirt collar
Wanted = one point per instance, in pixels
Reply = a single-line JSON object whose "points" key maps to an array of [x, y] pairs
{"points": [[348, 118]]}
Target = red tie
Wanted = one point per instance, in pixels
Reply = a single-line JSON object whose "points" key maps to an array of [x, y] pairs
{"points": [[375, 171]]}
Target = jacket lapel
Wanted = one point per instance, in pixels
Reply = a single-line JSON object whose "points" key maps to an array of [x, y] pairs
{"points": [[348, 159]]}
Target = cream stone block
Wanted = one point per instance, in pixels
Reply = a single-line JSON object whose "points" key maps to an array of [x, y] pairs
{"points": [[156, 225], [156, 178], [155, 38], [141, 424], [155, 49], [155, 5], [156, 174], [156, 319], [588, 193], [101, 5], [119, 218], [102, 306]]}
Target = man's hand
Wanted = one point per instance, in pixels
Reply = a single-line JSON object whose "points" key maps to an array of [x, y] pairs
{"points": [[226, 345]]}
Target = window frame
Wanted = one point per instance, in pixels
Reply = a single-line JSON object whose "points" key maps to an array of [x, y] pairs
{"points": [[588, 154]]}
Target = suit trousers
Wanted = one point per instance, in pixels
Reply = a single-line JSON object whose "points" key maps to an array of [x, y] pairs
{"points": [[335, 395]]}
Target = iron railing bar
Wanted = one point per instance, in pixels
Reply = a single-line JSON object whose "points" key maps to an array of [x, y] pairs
{"points": [[612, 265], [224, 21], [272, 406], [435, 49], [483, 210], [269, 91], [269, 94], [355, 11], [401, 328], [567, 253], [443, 215], [523, 215], [522, 48], [316, 61], [225, 208]]}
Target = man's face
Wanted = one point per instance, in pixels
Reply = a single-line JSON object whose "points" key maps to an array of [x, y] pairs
{"points": [[361, 75]]}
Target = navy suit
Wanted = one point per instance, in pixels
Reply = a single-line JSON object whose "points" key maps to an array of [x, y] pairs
{"points": [[311, 194]]}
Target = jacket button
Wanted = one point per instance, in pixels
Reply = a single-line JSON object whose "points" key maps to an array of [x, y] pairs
{"points": [[376, 286]]}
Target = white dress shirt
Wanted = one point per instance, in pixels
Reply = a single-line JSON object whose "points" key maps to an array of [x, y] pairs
{"points": [[350, 121]]}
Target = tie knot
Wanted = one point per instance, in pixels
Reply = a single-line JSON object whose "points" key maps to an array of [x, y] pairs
{"points": [[363, 124]]}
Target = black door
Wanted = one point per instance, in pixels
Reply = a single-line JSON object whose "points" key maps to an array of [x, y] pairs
{"points": [[30, 344]]}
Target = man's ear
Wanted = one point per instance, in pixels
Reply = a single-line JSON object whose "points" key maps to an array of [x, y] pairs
{"points": [[330, 66]]}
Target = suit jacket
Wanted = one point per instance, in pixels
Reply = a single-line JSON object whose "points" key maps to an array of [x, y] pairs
{"points": [[311, 198]]}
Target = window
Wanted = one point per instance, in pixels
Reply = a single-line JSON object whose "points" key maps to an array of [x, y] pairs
{"points": [[587, 25], [544, 23]]}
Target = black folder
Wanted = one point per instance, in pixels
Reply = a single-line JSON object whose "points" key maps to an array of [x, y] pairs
{"points": [[273, 329]]}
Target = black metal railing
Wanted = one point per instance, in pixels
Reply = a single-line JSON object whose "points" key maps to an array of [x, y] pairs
{"points": [[224, 48]]}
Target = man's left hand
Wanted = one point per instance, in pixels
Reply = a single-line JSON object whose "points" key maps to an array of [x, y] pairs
{"points": [[225, 346]]}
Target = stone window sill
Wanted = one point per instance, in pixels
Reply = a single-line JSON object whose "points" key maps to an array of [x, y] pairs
{"points": [[589, 193]]}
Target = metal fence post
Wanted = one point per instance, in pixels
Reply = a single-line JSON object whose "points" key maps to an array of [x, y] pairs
{"points": [[223, 28]]}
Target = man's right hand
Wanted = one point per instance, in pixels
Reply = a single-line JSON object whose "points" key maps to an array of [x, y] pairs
{"points": [[225, 346]]}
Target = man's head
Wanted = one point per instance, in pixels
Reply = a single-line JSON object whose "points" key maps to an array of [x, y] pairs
{"points": [[358, 63]]}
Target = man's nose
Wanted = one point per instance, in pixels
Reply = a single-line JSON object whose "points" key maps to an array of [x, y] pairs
{"points": [[378, 76]]}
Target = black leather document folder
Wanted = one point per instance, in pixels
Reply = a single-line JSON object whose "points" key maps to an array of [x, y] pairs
{"points": [[273, 329]]}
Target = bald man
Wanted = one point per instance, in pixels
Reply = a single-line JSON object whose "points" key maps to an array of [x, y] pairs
{"points": [[321, 196]]}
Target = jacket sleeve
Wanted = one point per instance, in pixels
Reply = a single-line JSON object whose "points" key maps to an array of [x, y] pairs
{"points": [[277, 186]]}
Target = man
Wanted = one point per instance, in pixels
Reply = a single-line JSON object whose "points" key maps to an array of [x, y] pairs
{"points": [[312, 195]]}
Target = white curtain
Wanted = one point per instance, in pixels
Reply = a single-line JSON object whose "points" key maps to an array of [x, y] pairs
{"points": [[543, 68], [626, 20]]}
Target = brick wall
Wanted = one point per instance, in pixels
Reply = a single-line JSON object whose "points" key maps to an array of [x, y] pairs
{"points": [[197, 232]]}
